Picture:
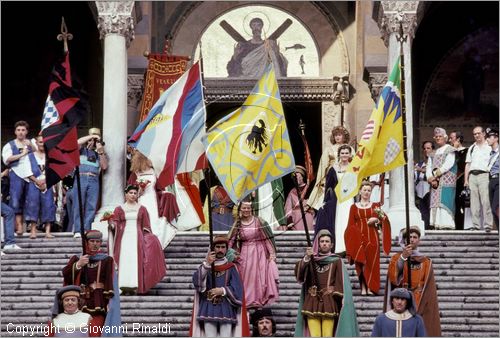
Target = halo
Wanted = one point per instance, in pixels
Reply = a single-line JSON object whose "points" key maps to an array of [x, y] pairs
{"points": [[260, 15]]}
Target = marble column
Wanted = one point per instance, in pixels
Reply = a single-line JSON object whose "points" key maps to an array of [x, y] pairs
{"points": [[116, 28], [391, 14]]}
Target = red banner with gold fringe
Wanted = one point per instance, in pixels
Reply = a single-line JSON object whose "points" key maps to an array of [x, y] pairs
{"points": [[162, 72]]}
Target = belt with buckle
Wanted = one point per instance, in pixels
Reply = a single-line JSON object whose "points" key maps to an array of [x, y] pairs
{"points": [[88, 174], [477, 172], [495, 176], [222, 210], [97, 285]]}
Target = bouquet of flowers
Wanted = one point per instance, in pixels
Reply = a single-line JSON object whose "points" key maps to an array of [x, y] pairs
{"points": [[380, 215], [142, 183], [107, 216]]}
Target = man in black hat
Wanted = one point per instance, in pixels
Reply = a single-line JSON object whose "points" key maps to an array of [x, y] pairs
{"points": [[402, 320], [423, 283], [263, 324], [94, 272], [67, 319], [219, 308], [493, 164]]}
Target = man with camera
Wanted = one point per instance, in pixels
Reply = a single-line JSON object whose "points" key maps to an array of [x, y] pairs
{"points": [[92, 161]]}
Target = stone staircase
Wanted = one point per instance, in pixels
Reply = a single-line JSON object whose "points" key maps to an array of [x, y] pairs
{"points": [[465, 264]]}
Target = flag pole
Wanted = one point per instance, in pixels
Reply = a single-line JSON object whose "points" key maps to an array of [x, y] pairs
{"points": [[65, 36], [207, 173], [304, 220], [306, 229], [80, 206], [401, 38]]}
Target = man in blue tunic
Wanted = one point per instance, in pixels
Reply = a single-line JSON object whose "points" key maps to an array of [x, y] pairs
{"points": [[402, 320], [18, 156], [218, 309]]}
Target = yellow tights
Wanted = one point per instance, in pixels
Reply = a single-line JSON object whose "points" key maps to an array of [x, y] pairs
{"points": [[320, 327]]}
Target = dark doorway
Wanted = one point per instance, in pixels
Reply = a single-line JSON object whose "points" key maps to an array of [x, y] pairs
{"points": [[30, 49]]}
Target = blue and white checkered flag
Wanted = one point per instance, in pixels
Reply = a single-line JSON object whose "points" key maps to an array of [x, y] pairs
{"points": [[50, 113]]}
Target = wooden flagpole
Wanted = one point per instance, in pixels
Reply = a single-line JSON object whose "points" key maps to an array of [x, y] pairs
{"points": [[207, 173], [402, 38]]}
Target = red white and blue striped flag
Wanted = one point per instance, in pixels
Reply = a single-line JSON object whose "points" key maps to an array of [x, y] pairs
{"points": [[170, 136]]}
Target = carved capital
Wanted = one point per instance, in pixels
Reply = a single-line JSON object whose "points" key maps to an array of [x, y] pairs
{"points": [[390, 14], [340, 89], [116, 17], [376, 81], [135, 88]]}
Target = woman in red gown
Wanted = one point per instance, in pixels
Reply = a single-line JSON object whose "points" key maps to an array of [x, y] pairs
{"points": [[362, 239]]}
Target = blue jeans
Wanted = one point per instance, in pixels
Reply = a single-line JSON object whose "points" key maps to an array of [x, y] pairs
{"points": [[17, 192], [39, 206], [90, 195], [8, 215]]}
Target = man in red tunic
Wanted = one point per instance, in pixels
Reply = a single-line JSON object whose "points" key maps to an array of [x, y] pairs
{"points": [[94, 273], [423, 284]]}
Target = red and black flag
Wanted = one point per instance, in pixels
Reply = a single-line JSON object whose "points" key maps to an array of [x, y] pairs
{"points": [[307, 159], [64, 110]]}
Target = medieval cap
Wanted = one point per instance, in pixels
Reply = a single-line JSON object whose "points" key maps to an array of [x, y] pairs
{"points": [[401, 293], [131, 187], [261, 313], [220, 239], [324, 232], [300, 169], [94, 234], [413, 228], [70, 290]]}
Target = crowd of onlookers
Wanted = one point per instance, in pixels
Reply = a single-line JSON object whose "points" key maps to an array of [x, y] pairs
{"points": [[456, 187], [28, 205]]}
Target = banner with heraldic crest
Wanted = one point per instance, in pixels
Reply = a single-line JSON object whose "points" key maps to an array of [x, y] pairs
{"points": [[163, 70]]}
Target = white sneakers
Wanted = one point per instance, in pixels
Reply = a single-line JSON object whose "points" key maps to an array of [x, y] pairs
{"points": [[11, 247], [77, 235]]}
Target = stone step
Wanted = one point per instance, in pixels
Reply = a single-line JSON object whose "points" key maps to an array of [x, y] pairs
{"points": [[288, 257], [134, 308], [461, 260], [284, 273], [174, 282], [190, 268]]}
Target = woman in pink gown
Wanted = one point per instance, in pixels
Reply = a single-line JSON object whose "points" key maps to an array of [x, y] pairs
{"points": [[253, 240]]}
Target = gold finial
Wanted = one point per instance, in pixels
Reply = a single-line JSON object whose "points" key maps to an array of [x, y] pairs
{"points": [[64, 36]]}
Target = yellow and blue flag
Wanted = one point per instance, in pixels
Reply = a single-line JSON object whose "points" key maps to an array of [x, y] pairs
{"points": [[381, 146], [250, 146]]}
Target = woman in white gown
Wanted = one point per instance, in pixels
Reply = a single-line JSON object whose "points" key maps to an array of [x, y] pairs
{"points": [[137, 253], [342, 210], [339, 136]]}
